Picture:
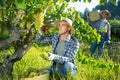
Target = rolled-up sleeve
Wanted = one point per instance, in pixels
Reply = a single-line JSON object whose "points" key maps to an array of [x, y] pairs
{"points": [[43, 39]]}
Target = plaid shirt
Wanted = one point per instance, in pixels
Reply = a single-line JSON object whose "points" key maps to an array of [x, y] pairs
{"points": [[71, 47]]}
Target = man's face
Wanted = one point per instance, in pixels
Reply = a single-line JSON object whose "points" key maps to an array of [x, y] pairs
{"points": [[104, 15], [63, 27]]}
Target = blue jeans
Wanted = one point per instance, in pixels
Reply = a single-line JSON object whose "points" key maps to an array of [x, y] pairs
{"points": [[63, 70], [100, 46]]}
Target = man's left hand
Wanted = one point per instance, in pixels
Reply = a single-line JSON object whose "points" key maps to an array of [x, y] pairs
{"points": [[108, 41], [51, 56]]}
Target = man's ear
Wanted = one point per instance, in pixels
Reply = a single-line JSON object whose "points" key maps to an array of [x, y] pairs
{"points": [[69, 28]]}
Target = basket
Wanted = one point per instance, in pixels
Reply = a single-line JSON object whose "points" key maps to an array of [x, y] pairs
{"points": [[94, 16], [42, 76]]}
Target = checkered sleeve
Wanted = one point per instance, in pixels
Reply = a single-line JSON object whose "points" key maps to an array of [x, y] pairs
{"points": [[44, 39]]}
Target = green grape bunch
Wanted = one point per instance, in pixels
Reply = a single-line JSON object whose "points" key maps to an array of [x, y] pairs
{"points": [[39, 17], [44, 56]]}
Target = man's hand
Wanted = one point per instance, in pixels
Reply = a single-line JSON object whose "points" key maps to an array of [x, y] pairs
{"points": [[108, 41], [51, 56]]}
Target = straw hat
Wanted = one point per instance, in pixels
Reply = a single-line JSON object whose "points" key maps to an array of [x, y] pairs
{"points": [[68, 21], [106, 11]]}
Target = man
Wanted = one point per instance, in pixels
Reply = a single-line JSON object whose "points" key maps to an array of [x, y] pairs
{"points": [[64, 48], [103, 27]]}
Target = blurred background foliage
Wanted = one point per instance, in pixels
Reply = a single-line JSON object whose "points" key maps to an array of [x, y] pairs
{"points": [[35, 14]]}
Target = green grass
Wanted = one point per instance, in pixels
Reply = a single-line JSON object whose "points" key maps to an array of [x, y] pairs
{"points": [[31, 59], [86, 69]]}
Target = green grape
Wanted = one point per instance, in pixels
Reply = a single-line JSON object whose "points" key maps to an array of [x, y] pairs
{"points": [[44, 55], [39, 17]]}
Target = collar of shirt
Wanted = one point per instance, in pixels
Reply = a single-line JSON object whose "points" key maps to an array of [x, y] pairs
{"points": [[68, 38]]}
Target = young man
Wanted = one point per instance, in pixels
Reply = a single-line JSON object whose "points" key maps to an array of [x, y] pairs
{"points": [[64, 48], [103, 27]]}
